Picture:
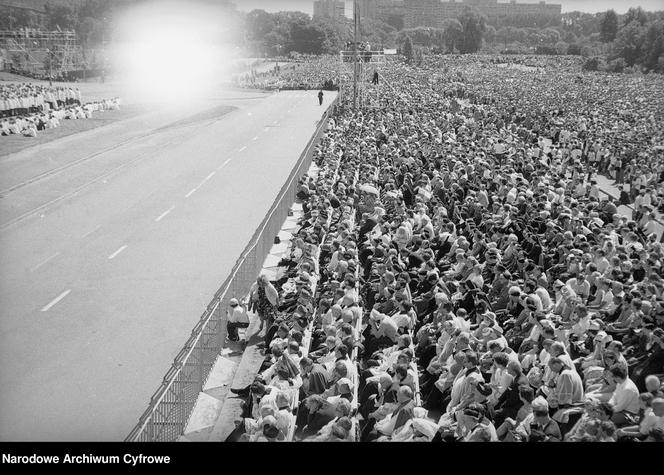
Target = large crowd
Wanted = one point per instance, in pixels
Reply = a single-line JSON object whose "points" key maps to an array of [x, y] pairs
{"points": [[27, 108], [457, 274], [316, 73]]}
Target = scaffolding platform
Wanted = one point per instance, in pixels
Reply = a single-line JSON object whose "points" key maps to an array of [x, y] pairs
{"points": [[41, 52]]}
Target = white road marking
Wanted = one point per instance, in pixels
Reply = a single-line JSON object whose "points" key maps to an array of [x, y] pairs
{"points": [[115, 254], [93, 231], [164, 214], [56, 300], [223, 164], [242, 149], [255, 138], [201, 184], [44, 262]]}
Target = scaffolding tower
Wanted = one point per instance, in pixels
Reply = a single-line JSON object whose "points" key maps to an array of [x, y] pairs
{"points": [[353, 69], [41, 52], [356, 69]]}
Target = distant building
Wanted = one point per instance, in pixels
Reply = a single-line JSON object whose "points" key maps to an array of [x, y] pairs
{"points": [[335, 9], [431, 13], [392, 12]]}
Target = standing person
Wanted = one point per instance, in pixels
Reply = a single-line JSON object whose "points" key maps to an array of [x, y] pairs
{"points": [[237, 318], [499, 150], [320, 97], [264, 300]]}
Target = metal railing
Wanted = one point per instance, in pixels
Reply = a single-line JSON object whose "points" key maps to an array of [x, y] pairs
{"points": [[170, 407]]}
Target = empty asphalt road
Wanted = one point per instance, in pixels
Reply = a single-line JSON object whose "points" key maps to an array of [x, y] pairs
{"points": [[113, 241]]}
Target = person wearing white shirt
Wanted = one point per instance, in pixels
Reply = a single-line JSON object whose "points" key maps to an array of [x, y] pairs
{"points": [[579, 285], [650, 226], [625, 398], [639, 200], [13, 128], [654, 419], [601, 261], [29, 129], [501, 378]]}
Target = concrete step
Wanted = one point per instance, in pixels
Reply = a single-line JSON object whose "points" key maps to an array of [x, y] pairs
{"points": [[244, 376], [217, 408]]}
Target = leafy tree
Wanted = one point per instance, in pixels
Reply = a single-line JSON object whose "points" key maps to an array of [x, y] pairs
{"points": [[490, 34], [616, 66], [635, 14], [550, 35], [275, 43], [609, 26], [337, 33], [581, 24], [562, 47], [259, 23], [90, 31], [591, 64], [376, 32], [62, 16], [574, 50], [474, 26], [629, 42], [395, 21], [306, 37], [452, 33], [421, 36], [407, 49], [653, 46], [569, 37]]}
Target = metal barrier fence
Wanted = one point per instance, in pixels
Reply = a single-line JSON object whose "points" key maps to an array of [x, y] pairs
{"points": [[171, 405]]}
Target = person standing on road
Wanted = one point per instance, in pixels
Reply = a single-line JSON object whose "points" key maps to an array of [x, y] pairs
{"points": [[320, 97]]}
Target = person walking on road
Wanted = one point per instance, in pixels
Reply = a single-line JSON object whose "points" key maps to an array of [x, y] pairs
{"points": [[320, 97]]}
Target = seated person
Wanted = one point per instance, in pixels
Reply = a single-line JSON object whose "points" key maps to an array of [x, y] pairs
{"points": [[538, 426]]}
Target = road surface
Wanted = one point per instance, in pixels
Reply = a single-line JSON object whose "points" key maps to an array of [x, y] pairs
{"points": [[113, 241]]}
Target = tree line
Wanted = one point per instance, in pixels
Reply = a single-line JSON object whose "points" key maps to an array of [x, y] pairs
{"points": [[632, 40]]}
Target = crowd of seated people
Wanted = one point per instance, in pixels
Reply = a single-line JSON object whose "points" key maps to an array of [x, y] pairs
{"points": [[28, 108], [471, 283], [316, 73]]}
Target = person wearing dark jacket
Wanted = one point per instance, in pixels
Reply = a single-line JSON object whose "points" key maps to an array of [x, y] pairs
{"points": [[509, 402]]}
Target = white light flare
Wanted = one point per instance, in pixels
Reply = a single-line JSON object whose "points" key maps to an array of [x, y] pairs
{"points": [[170, 52]]}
